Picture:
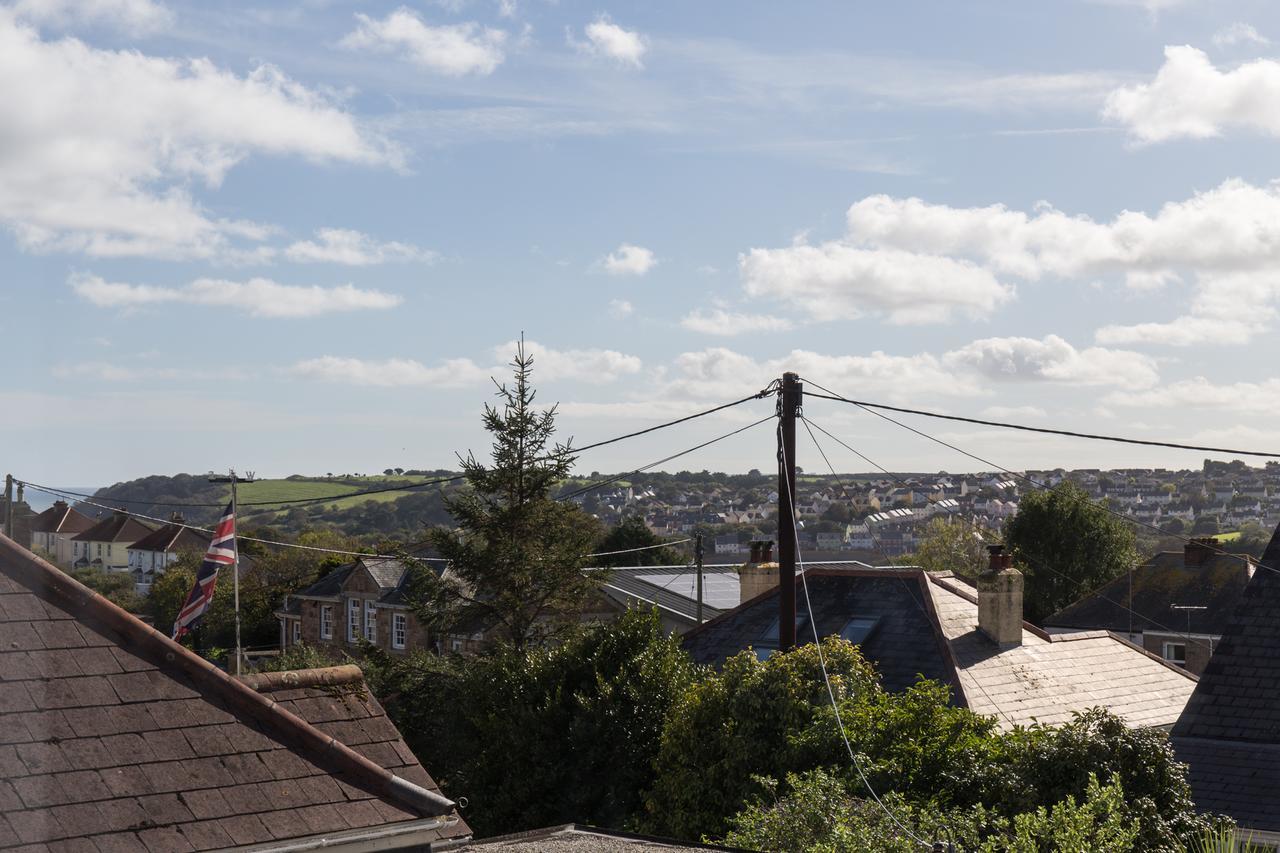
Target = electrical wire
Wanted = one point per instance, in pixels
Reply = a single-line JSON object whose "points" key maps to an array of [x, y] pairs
{"points": [[602, 483], [822, 661], [831, 395], [641, 548]]}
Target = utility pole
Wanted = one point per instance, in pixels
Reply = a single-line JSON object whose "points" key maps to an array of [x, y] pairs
{"points": [[697, 558], [232, 478], [8, 505], [790, 401]]}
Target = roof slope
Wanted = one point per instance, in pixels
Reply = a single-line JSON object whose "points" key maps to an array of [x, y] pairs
{"points": [[61, 518], [174, 536], [1229, 733], [1217, 584], [1049, 678], [113, 734], [117, 527]]}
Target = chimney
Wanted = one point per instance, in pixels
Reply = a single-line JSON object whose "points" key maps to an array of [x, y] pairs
{"points": [[1000, 599], [176, 518], [60, 505], [1198, 551], [760, 573]]}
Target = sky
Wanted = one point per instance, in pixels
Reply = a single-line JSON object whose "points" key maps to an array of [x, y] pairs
{"points": [[304, 237]]}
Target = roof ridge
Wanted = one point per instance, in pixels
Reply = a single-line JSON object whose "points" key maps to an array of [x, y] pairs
{"points": [[328, 676], [46, 581]]}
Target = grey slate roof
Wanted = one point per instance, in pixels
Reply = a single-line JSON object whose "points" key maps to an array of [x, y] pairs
{"points": [[1217, 584], [667, 588], [1230, 730]]}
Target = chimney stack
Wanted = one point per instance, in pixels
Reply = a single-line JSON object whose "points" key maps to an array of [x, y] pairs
{"points": [[760, 573], [1000, 599], [1198, 551], [176, 518]]}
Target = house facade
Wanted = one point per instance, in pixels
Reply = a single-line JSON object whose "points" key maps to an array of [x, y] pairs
{"points": [[354, 604], [152, 554], [105, 545], [53, 530]]}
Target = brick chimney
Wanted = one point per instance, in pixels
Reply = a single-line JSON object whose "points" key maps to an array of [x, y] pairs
{"points": [[1000, 599], [1198, 551], [759, 573]]}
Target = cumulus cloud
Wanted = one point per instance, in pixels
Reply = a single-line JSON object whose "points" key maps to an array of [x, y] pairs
{"points": [[593, 366], [139, 17], [1191, 98], [101, 146], [1199, 393], [1053, 359], [454, 50], [1239, 33], [352, 248], [629, 260], [259, 297], [607, 39], [721, 322], [620, 308]]}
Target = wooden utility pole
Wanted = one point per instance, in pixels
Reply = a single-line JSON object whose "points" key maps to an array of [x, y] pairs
{"points": [[8, 505], [697, 558], [790, 401]]}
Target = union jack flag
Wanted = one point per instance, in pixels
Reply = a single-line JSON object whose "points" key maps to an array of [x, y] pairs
{"points": [[221, 553]]}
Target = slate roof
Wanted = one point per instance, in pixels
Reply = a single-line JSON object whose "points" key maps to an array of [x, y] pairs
{"points": [[61, 518], [174, 536], [113, 737], [928, 626], [1166, 579], [1230, 730], [638, 584], [117, 527], [391, 575]]}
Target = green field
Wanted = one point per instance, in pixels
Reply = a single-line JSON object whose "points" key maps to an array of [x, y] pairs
{"points": [[1228, 537], [301, 490]]}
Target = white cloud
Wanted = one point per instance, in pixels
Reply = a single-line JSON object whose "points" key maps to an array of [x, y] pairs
{"points": [[594, 366], [620, 308], [1053, 359], [259, 297], [352, 248], [1014, 412], [139, 17], [835, 281], [1190, 98], [629, 260], [607, 39], [721, 322], [1239, 33], [1227, 309], [100, 147], [454, 50], [392, 372], [1201, 394]]}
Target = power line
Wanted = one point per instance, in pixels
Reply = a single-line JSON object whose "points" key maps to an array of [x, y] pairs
{"points": [[831, 395], [641, 548], [602, 483], [398, 488], [822, 661]]}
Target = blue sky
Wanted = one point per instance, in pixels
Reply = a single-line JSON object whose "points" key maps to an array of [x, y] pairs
{"points": [[300, 237]]}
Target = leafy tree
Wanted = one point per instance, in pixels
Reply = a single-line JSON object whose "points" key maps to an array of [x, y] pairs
{"points": [[542, 735], [517, 554], [1066, 545], [116, 587], [303, 656], [953, 545], [632, 533]]}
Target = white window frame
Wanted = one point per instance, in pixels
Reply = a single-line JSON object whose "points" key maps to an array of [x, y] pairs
{"points": [[370, 621], [1167, 652], [297, 631], [353, 619], [399, 630], [456, 646], [326, 621]]}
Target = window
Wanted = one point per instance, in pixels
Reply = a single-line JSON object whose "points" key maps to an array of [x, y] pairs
{"points": [[1176, 653], [768, 644], [457, 646], [326, 622], [859, 628], [370, 622], [399, 628], [297, 630], [353, 619], [99, 549]]}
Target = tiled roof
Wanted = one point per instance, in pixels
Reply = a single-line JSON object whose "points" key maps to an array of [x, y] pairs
{"points": [[1229, 733], [173, 537], [386, 572], [1048, 678], [118, 527], [666, 587], [113, 737], [1216, 584], [61, 518], [928, 625]]}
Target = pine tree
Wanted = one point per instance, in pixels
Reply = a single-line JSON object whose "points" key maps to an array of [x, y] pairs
{"points": [[516, 554]]}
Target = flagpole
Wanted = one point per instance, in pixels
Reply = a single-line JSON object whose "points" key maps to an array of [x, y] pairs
{"points": [[235, 564]]}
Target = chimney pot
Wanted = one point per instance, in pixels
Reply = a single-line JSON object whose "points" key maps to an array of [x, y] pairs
{"points": [[766, 551], [759, 574], [1000, 599]]}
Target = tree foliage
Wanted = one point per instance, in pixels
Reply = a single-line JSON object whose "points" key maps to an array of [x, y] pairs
{"points": [[1066, 545], [516, 554], [542, 735], [117, 587], [950, 545], [632, 533]]}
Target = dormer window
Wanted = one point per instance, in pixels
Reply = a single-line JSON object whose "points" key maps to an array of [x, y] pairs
{"points": [[858, 629], [768, 644]]}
